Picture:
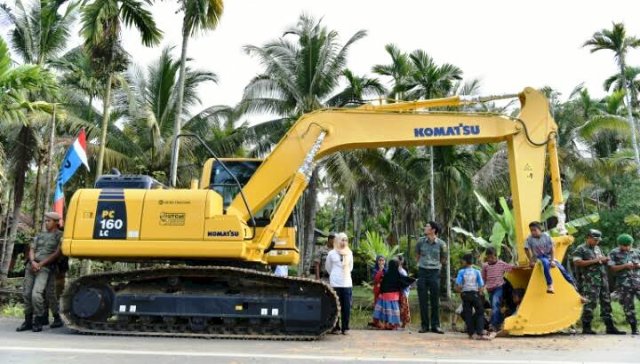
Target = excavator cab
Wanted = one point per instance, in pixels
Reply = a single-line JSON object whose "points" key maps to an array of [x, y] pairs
{"points": [[221, 179]]}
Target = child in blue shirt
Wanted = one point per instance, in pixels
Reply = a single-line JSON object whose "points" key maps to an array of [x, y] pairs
{"points": [[470, 284]]}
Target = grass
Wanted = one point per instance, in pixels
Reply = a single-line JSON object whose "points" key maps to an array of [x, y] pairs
{"points": [[362, 309]]}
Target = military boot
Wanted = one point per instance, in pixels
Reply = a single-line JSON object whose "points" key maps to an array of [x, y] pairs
{"points": [[612, 330], [634, 328], [27, 324], [37, 324], [57, 322], [586, 329]]}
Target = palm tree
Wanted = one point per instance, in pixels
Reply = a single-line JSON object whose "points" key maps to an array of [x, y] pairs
{"points": [[428, 80], [102, 22], [632, 76], [358, 87], [199, 15], [399, 70], [16, 84], [80, 80], [40, 31], [617, 41], [302, 70], [150, 107]]}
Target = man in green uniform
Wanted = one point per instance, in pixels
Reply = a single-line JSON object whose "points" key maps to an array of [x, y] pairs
{"points": [[625, 263], [431, 254], [594, 284], [44, 250]]}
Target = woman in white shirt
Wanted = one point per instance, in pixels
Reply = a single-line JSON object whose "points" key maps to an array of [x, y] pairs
{"points": [[339, 264]]}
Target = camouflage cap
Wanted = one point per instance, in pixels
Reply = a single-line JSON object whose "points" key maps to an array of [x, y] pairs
{"points": [[596, 234], [625, 239]]}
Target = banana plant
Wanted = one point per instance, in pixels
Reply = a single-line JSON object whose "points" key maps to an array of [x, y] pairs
{"points": [[503, 230]]}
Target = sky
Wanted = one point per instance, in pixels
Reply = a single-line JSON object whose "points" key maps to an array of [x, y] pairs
{"points": [[508, 45]]}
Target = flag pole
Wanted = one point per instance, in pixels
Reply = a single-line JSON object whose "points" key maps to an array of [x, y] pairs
{"points": [[49, 162]]}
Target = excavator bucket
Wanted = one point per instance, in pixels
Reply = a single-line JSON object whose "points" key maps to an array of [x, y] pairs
{"points": [[541, 312]]}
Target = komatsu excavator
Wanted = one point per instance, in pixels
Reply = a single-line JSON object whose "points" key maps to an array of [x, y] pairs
{"points": [[215, 238]]}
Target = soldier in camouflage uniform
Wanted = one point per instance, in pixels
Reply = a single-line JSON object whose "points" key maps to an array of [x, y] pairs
{"points": [[594, 284], [625, 263], [44, 250]]}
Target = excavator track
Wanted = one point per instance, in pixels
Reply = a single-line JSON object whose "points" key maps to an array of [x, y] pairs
{"points": [[203, 302]]}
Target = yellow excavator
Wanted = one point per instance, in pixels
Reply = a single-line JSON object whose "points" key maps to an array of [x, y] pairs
{"points": [[210, 243]]}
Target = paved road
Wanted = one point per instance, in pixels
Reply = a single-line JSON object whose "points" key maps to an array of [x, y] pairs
{"points": [[63, 346]]}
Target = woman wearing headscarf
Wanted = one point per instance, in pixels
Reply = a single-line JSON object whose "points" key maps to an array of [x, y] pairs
{"points": [[386, 314], [377, 274], [339, 264]]}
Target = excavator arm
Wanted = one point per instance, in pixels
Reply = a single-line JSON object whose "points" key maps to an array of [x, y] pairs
{"points": [[327, 131]]}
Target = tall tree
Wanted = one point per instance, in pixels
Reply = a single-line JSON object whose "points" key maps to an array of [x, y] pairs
{"points": [[40, 31], [632, 77], [199, 16], [16, 86], [357, 88], [150, 108], [102, 22], [399, 70], [302, 70], [617, 41]]}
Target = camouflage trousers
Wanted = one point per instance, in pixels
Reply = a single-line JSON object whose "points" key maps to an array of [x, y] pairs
{"points": [[627, 296], [52, 293], [34, 290], [596, 294]]}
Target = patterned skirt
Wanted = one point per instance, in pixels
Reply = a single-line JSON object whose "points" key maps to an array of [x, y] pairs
{"points": [[405, 314], [386, 314]]}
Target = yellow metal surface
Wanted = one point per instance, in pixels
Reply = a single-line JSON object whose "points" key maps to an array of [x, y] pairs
{"points": [[170, 249]]}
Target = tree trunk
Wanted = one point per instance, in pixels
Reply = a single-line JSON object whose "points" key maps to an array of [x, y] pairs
{"points": [[310, 215], [105, 125], [432, 198], [86, 264], [5, 219], [36, 194], [21, 169], [178, 122], [299, 222], [632, 124], [47, 184]]}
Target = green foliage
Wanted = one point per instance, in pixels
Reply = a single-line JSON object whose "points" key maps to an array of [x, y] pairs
{"points": [[503, 230], [375, 245], [12, 310], [623, 217], [632, 220]]}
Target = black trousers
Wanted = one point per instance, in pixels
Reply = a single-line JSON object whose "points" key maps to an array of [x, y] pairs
{"points": [[473, 312], [429, 297], [344, 296]]}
